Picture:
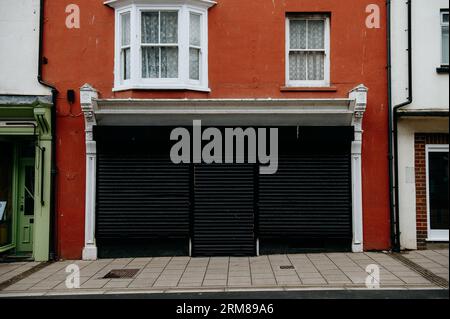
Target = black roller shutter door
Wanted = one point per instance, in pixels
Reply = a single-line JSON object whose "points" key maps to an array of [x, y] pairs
{"points": [[142, 195], [224, 208], [143, 199], [308, 201]]}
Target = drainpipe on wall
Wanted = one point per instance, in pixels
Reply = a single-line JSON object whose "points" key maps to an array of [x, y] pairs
{"points": [[52, 248], [393, 127]]}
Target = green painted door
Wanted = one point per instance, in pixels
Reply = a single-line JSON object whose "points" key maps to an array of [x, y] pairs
{"points": [[25, 206]]}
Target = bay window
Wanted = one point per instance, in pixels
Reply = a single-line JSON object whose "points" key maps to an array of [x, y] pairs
{"points": [[161, 44]]}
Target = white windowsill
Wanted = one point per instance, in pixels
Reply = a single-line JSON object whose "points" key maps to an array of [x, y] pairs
{"points": [[307, 84], [436, 239], [161, 87]]}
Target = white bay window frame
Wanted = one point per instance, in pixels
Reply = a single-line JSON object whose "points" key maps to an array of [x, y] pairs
{"points": [[124, 48], [184, 9], [309, 83], [201, 48], [159, 80]]}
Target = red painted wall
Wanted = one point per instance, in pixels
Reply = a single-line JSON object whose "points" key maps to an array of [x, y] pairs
{"points": [[246, 60]]}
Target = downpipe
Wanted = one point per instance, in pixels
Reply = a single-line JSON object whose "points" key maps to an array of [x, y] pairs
{"points": [[393, 127], [52, 248]]}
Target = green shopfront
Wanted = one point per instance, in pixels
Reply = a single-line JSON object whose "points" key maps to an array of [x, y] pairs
{"points": [[25, 176]]}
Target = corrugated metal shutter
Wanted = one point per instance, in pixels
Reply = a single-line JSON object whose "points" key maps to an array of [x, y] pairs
{"points": [[224, 207], [308, 198], [141, 194]]}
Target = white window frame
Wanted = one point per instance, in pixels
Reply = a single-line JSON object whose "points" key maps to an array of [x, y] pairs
{"points": [[443, 24], [433, 234], [309, 83], [183, 82], [152, 82], [119, 47], [202, 48]]}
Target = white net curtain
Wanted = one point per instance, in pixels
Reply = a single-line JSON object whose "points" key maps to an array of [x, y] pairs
{"points": [[194, 46], [159, 44], [126, 49], [307, 50]]}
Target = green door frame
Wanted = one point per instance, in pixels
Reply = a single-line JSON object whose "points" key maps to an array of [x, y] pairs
{"points": [[31, 116]]}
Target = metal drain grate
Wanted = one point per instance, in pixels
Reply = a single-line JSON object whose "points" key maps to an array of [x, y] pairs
{"points": [[121, 273], [437, 280], [287, 267]]}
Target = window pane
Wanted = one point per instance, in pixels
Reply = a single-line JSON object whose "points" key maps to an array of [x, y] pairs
{"points": [[297, 34], [445, 45], [125, 23], [438, 189], [194, 64], [297, 66], [316, 62], [169, 62], [29, 191], [126, 64], [150, 62], [316, 34], [150, 27], [445, 17], [169, 27], [194, 30]]}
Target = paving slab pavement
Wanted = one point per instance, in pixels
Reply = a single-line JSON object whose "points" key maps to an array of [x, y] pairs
{"points": [[12, 269], [273, 272], [436, 261]]}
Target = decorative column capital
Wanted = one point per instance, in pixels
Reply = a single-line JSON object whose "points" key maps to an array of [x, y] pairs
{"points": [[359, 99], [87, 95], [359, 95], [43, 117]]}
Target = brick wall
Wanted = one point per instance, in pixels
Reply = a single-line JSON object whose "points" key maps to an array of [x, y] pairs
{"points": [[420, 140]]}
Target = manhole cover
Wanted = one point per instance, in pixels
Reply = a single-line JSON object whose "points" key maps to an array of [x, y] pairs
{"points": [[121, 273], [287, 267]]}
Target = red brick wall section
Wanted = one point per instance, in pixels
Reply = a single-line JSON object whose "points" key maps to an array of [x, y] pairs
{"points": [[420, 141]]}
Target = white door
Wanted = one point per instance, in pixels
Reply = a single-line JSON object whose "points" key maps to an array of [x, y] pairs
{"points": [[437, 192]]}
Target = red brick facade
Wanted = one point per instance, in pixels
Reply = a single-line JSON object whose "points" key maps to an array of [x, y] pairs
{"points": [[420, 141], [247, 53]]}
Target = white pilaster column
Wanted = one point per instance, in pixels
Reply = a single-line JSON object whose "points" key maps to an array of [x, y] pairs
{"points": [[359, 95], [87, 94]]}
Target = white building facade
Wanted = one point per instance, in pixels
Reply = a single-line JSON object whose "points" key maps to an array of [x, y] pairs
{"points": [[420, 98], [25, 134]]}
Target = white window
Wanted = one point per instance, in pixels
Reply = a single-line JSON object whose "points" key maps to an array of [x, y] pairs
{"points": [[125, 45], [161, 44], [307, 51], [195, 46], [444, 30]]}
